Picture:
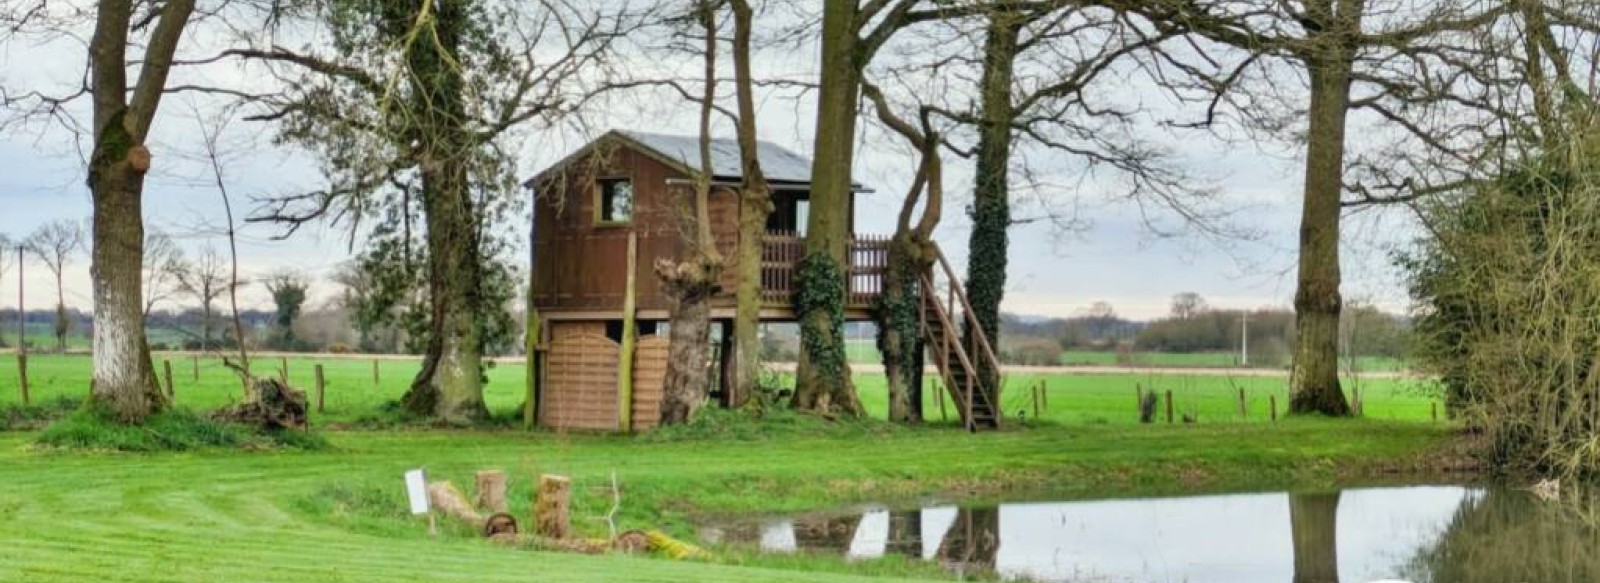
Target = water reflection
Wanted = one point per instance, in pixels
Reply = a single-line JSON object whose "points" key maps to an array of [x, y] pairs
{"points": [[1424, 534]]}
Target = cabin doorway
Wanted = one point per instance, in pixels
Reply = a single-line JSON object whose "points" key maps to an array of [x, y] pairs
{"points": [[790, 211]]}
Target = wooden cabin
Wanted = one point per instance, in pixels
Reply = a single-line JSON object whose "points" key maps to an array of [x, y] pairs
{"points": [[604, 215], [602, 218]]}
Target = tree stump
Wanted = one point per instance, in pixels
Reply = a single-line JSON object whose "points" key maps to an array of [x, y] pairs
{"points": [[552, 507], [269, 405], [492, 491]]}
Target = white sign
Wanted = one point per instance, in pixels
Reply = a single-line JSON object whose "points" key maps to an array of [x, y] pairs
{"points": [[417, 490]]}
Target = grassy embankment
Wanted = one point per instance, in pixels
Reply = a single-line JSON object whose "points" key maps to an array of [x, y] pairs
{"points": [[338, 514]]}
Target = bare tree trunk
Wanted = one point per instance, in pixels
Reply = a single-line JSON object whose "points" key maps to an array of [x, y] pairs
{"points": [[1313, 526], [755, 205], [991, 208], [124, 380], [823, 382], [62, 325], [693, 279], [1314, 384]]}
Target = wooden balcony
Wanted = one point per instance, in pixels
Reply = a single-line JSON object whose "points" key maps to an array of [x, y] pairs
{"points": [[781, 253]]}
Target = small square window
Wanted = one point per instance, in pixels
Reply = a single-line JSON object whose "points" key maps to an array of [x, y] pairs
{"points": [[616, 200]]}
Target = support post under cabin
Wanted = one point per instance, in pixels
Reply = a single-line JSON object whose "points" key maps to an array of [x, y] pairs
{"points": [[625, 356]]}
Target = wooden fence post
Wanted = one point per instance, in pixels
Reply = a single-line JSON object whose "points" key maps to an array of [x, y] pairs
{"points": [[22, 373], [1434, 411], [375, 373], [1044, 394], [197, 368], [550, 508], [629, 331], [167, 365], [1273, 401], [320, 389], [1244, 412], [1036, 401], [22, 331], [1169, 406]]}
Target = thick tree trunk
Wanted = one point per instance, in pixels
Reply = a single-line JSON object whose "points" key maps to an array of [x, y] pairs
{"points": [[899, 318], [822, 381], [755, 204], [1314, 384], [124, 379], [991, 207], [450, 385], [687, 350], [1313, 526]]}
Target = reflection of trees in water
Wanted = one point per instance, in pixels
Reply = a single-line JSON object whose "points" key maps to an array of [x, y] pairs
{"points": [[1314, 527], [973, 540], [905, 534], [826, 534], [1505, 536]]}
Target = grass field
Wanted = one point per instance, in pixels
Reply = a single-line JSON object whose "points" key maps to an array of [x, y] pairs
{"points": [[351, 394], [339, 515], [865, 351]]}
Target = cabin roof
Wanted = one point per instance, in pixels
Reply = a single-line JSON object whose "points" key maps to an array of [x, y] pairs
{"points": [[779, 164]]}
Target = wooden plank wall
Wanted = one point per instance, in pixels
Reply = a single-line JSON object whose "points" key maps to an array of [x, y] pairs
{"points": [[649, 380], [582, 378]]}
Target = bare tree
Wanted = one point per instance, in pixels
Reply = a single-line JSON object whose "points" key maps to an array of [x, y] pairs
{"points": [[205, 279], [163, 264], [124, 109], [411, 103], [1337, 45], [54, 244], [755, 205], [1188, 305], [692, 279]]}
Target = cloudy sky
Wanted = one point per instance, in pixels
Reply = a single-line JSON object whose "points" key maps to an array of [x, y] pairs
{"points": [[1113, 256]]}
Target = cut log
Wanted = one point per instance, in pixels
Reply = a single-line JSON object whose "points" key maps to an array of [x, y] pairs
{"points": [[447, 500], [492, 491], [551, 509], [499, 525]]}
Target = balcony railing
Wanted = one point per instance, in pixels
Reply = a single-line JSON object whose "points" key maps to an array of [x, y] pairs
{"points": [[781, 253]]}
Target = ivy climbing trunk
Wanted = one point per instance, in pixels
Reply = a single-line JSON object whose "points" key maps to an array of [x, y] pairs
{"points": [[899, 318], [755, 205], [449, 387], [1314, 383], [822, 382], [991, 207], [124, 381]]}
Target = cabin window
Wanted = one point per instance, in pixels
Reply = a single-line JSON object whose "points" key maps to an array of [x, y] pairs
{"points": [[616, 200]]}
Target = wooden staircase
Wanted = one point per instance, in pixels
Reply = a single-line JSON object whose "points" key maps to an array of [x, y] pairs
{"points": [[946, 314]]}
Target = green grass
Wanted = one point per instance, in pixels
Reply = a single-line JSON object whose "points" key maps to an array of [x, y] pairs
{"points": [[338, 515], [352, 397]]}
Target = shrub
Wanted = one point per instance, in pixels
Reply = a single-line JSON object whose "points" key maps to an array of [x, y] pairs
{"points": [[93, 428], [1509, 284]]}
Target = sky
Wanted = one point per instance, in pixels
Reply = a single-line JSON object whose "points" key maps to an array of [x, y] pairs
{"points": [[1111, 256]]}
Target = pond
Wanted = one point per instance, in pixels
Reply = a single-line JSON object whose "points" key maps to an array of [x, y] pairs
{"points": [[1424, 534]]}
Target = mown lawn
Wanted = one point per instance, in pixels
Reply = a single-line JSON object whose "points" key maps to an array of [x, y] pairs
{"points": [[338, 515]]}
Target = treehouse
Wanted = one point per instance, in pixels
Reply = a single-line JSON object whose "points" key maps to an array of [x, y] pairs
{"points": [[604, 215]]}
